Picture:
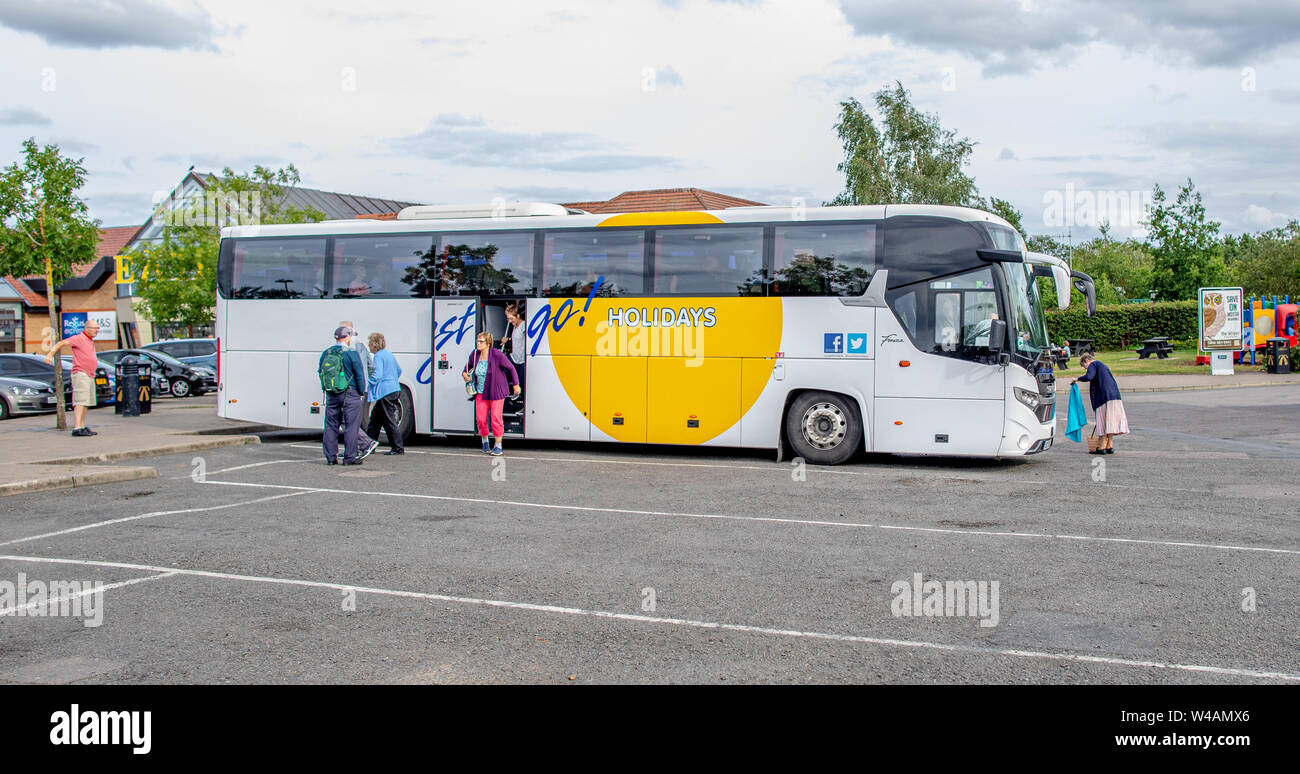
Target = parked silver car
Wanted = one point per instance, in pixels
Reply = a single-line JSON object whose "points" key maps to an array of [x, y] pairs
{"points": [[25, 396]]}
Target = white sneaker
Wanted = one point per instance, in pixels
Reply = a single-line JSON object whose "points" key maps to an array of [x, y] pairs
{"points": [[369, 450]]}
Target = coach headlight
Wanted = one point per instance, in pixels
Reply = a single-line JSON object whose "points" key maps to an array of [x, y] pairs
{"points": [[1031, 399]]}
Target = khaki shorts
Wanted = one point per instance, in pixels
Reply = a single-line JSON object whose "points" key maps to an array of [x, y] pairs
{"points": [[83, 389]]}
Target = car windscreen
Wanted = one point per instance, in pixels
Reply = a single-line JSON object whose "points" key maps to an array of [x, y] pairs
{"points": [[168, 359], [36, 365]]}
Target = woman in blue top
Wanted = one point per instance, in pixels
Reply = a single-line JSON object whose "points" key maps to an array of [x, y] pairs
{"points": [[386, 394], [1106, 403]]}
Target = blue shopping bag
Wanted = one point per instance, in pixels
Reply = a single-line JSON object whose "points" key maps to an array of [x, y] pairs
{"points": [[1076, 417]]}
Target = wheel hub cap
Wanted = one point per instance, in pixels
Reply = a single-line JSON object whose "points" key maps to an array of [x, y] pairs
{"points": [[824, 425]]}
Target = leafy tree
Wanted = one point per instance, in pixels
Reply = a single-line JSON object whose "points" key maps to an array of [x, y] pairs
{"points": [[1041, 243], [1003, 209], [177, 276], [813, 275], [913, 161], [1184, 245], [1122, 270], [1267, 263], [45, 228], [459, 270]]}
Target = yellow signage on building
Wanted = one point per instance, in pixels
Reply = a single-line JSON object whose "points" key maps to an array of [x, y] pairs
{"points": [[125, 271]]}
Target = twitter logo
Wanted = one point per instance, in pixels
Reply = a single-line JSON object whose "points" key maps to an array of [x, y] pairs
{"points": [[857, 343]]}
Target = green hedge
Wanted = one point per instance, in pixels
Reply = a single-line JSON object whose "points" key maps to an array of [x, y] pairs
{"points": [[1121, 326]]}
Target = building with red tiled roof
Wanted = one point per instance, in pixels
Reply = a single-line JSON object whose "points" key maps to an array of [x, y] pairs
{"points": [[24, 302], [16, 297], [112, 241], [25, 292], [650, 200], [585, 206], [665, 200]]}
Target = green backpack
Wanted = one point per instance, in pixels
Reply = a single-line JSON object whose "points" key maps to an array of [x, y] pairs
{"points": [[333, 373]]}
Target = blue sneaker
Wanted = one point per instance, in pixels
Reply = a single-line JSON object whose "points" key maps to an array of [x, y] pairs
{"points": [[486, 448], [496, 451]]}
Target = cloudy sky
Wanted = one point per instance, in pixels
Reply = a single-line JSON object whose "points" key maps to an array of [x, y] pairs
{"points": [[577, 100]]}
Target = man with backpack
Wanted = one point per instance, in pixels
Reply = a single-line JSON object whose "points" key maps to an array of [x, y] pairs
{"points": [[342, 378]]}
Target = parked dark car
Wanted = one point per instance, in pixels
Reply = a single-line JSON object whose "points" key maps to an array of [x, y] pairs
{"points": [[102, 398], [34, 367], [193, 352], [25, 396], [181, 380]]}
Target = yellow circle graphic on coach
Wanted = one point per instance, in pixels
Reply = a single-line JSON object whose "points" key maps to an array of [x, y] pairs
{"points": [[664, 369]]}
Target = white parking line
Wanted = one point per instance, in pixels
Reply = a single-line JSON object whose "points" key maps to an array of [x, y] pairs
{"points": [[146, 516], [769, 519], [67, 598], [252, 465], [780, 468], [685, 622]]}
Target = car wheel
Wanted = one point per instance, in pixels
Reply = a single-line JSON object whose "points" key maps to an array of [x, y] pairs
{"points": [[824, 428], [180, 388], [4, 409]]}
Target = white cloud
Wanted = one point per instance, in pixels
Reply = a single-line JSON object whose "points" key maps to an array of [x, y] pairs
{"points": [[1262, 218]]}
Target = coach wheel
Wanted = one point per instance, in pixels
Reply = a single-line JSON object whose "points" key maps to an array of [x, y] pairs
{"points": [[824, 428], [180, 388], [405, 416]]}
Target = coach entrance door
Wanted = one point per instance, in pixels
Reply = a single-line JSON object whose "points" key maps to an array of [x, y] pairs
{"points": [[505, 317]]}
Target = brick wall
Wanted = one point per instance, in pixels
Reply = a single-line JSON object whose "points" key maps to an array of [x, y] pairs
{"points": [[102, 298]]}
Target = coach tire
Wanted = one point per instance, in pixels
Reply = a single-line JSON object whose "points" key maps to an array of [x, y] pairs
{"points": [[406, 416], [824, 428]]}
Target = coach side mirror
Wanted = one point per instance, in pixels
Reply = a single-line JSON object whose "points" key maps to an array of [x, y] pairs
{"points": [[997, 335], [1088, 288]]}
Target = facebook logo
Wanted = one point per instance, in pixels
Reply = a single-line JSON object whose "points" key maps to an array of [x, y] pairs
{"points": [[834, 343], [857, 343]]}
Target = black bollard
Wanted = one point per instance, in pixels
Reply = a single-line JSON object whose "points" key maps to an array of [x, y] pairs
{"points": [[128, 387]]}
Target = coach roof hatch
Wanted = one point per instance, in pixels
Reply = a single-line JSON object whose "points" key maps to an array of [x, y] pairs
{"points": [[454, 211]]}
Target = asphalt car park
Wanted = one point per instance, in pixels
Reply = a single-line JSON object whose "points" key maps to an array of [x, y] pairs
{"points": [[1172, 561]]}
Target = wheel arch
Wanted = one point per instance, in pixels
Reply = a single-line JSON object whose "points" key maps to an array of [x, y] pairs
{"points": [[864, 416]]}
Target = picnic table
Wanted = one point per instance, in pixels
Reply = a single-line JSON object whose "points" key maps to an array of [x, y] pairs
{"points": [[1079, 346], [1159, 346]]}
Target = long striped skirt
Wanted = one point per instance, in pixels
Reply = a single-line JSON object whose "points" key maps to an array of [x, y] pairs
{"points": [[1111, 419]]}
